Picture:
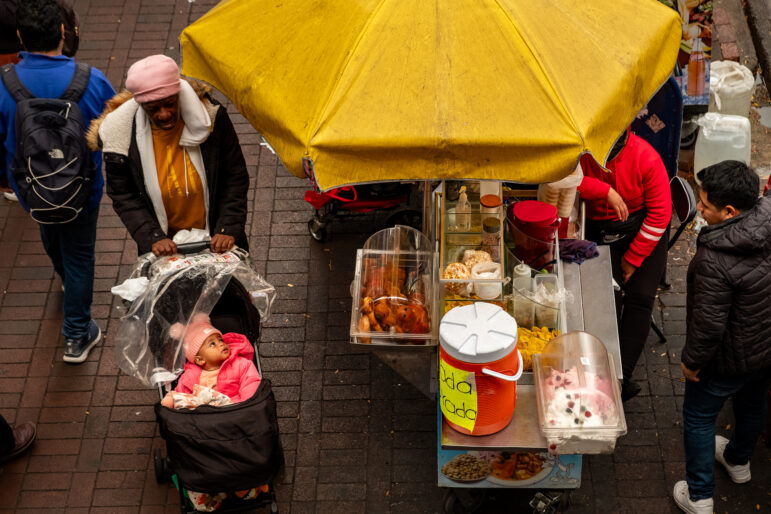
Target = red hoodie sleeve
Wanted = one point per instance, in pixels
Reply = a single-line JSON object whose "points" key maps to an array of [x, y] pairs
{"points": [[591, 187], [658, 206]]}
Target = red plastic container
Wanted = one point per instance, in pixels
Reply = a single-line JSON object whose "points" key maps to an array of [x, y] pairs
{"points": [[532, 225]]}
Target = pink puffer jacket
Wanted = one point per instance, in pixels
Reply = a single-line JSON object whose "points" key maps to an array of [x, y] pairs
{"points": [[237, 378]]}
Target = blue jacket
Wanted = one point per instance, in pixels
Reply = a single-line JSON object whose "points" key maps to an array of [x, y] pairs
{"points": [[48, 77]]}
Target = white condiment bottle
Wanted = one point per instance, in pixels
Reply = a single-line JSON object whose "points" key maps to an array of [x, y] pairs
{"points": [[521, 270]]}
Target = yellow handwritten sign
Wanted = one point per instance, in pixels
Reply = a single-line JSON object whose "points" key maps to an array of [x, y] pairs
{"points": [[457, 395]]}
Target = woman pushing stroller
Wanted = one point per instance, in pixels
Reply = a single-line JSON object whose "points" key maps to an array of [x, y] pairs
{"points": [[172, 159]]}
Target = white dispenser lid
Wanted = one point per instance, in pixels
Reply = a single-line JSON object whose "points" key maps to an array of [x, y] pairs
{"points": [[478, 333]]}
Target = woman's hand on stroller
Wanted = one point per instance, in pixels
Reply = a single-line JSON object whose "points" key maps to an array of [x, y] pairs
{"points": [[165, 247], [221, 243]]}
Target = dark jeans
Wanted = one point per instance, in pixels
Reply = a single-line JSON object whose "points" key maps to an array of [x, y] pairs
{"points": [[71, 249], [7, 442], [701, 405], [634, 303]]}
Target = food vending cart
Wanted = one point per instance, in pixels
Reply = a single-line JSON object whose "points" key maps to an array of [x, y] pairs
{"points": [[400, 267]]}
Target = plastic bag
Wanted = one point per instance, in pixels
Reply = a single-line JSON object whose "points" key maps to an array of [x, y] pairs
{"points": [[178, 288]]}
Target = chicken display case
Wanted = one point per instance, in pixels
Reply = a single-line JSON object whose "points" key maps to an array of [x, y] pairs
{"points": [[393, 290]]}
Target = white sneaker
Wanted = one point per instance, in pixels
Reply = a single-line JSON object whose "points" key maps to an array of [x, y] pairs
{"points": [[10, 196], [739, 474], [683, 500]]}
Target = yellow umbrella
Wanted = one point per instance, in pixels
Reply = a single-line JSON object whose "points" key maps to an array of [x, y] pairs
{"points": [[373, 90]]}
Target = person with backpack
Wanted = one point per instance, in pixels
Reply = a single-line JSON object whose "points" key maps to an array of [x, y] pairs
{"points": [[46, 102]]}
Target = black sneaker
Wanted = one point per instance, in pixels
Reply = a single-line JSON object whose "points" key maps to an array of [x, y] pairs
{"points": [[76, 350]]}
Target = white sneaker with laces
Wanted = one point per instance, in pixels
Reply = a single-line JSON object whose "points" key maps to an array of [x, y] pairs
{"points": [[739, 474], [683, 500]]}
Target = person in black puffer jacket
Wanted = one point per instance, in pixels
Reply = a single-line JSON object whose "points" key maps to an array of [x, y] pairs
{"points": [[728, 344]]}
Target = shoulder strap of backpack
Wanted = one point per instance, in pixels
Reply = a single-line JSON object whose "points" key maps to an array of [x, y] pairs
{"points": [[78, 84], [14, 85]]}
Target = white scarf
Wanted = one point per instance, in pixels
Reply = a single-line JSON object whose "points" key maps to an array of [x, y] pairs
{"points": [[197, 128]]}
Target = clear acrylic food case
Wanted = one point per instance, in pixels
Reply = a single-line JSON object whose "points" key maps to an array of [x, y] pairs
{"points": [[578, 395], [393, 290]]}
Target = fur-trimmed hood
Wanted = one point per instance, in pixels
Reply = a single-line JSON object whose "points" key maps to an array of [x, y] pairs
{"points": [[121, 110]]}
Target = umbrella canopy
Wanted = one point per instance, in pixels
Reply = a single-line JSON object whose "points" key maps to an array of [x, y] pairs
{"points": [[373, 90]]}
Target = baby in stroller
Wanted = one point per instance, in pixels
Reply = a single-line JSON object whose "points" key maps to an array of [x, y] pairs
{"points": [[195, 327], [219, 369]]}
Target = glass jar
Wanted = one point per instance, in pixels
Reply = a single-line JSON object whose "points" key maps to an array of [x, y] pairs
{"points": [[490, 204], [491, 240]]}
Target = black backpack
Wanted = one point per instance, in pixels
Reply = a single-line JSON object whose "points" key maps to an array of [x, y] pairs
{"points": [[52, 165]]}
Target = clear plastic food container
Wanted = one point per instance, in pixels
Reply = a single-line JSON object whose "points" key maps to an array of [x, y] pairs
{"points": [[393, 296], [578, 395]]}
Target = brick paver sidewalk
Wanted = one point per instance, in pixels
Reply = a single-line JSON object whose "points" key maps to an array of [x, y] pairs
{"points": [[357, 437]]}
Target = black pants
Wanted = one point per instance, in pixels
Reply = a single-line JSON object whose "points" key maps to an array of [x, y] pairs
{"points": [[634, 303], [7, 441]]}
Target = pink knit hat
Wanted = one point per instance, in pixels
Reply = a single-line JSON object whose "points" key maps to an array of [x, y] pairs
{"points": [[153, 78], [197, 331]]}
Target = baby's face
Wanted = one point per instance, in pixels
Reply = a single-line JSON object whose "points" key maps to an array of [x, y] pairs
{"points": [[213, 352]]}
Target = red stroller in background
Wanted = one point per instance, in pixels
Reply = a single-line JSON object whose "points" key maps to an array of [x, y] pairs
{"points": [[351, 200]]}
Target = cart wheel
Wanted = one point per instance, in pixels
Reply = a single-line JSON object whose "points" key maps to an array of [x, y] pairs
{"points": [[550, 502], [159, 465], [409, 217], [463, 501], [317, 231]]}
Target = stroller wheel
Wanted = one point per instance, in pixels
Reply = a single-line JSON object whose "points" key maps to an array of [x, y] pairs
{"points": [[159, 463], [317, 230]]}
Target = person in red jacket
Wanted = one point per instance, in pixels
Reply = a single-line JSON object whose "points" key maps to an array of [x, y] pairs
{"points": [[629, 207]]}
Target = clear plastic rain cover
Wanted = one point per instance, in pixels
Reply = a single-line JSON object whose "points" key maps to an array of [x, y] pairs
{"points": [[179, 287]]}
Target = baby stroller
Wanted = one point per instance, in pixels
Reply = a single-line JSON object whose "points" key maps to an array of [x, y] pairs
{"points": [[209, 449], [399, 197]]}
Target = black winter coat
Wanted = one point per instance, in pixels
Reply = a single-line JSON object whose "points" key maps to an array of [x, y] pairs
{"points": [[729, 296], [226, 176]]}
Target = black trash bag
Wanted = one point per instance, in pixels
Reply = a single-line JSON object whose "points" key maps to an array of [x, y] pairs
{"points": [[220, 449]]}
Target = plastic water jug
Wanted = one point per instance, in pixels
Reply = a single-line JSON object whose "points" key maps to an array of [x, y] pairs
{"points": [[479, 366], [730, 88], [721, 138]]}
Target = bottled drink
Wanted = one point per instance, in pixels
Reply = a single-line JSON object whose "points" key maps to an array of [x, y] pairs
{"points": [[696, 69]]}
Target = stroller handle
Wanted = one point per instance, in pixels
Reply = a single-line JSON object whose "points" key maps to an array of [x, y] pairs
{"points": [[198, 246]]}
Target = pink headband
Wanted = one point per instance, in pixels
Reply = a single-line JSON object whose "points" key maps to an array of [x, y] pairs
{"points": [[153, 78]]}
